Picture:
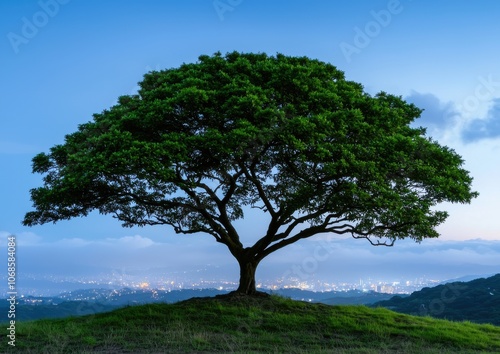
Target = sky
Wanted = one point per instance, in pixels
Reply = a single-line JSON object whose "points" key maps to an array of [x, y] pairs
{"points": [[64, 60]]}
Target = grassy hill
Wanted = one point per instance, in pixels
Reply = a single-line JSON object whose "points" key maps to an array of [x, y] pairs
{"points": [[253, 325], [476, 301]]}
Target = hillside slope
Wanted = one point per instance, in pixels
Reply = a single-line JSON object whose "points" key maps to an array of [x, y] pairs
{"points": [[476, 301], [257, 325]]}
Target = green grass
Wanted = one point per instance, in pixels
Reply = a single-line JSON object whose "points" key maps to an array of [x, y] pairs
{"points": [[253, 325]]}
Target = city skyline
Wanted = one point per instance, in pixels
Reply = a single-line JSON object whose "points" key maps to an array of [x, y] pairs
{"points": [[117, 281]]}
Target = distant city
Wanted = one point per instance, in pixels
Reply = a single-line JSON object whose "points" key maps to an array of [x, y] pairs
{"points": [[51, 285], [87, 297]]}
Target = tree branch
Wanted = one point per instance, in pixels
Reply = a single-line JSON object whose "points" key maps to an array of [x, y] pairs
{"points": [[251, 176], [305, 218], [310, 231], [378, 243]]}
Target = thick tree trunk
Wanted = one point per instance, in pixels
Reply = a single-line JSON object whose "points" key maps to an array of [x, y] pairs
{"points": [[247, 276]]}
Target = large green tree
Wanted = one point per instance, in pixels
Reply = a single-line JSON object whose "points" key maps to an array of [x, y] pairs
{"points": [[200, 144]]}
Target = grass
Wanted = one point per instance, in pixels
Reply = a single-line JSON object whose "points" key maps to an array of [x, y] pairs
{"points": [[253, 325]]}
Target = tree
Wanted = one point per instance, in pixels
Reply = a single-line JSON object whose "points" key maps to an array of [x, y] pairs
{"points": [[200, 144]]}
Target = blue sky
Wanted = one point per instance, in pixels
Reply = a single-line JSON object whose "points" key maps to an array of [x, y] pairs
{"points": [[63, 60]]}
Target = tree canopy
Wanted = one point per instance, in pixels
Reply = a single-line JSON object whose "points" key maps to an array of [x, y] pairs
{"points": [[200, 144]]}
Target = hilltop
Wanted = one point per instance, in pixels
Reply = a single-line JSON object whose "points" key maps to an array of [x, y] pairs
{"points": [[91, 301], [476, 301], [258, 325]]}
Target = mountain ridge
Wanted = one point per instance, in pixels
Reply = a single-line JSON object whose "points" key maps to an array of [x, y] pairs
{"points": [[477, 301]]}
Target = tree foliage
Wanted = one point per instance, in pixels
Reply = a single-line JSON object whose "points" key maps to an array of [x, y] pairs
{"points": [[200, 144]]}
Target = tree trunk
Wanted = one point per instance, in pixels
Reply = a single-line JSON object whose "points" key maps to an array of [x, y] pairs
{"points": [[247, 276]]}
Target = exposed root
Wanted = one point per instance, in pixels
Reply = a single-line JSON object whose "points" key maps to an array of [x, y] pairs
{"points": [[235, 295]]}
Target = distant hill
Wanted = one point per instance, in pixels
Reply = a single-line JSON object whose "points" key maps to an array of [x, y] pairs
{"points": [[476, 301], [351, 297], [361, 298], [467, 278]]}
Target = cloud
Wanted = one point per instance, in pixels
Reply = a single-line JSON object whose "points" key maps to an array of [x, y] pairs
{"points": [[325, 259], [484, 128], [71, 243], [457, 123], [348, 259], [126, 242], [436, 115], [77, 256], [30, 239], [136, 241], [22, 239]]}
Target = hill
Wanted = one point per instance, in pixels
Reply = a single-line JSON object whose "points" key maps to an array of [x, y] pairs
{"points": [[245, 324], [91, 301], [476, 301]]}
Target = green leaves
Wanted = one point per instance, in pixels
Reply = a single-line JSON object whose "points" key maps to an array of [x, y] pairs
{"points": [[288, 135]]}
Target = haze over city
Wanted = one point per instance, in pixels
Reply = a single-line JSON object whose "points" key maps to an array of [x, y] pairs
{"points": [[65, 60]]}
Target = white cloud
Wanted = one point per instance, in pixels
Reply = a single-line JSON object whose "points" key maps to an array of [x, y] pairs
{"points": [[131, 252], [71, 243], [487, 127], [136, 241], [347, 259], [454, 123], [126, 242], [437, 115], [28, 239], [22, 239], [328, 258]]}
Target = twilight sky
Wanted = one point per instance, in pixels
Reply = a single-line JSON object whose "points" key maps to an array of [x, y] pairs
{"points": [[64, 60]]}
